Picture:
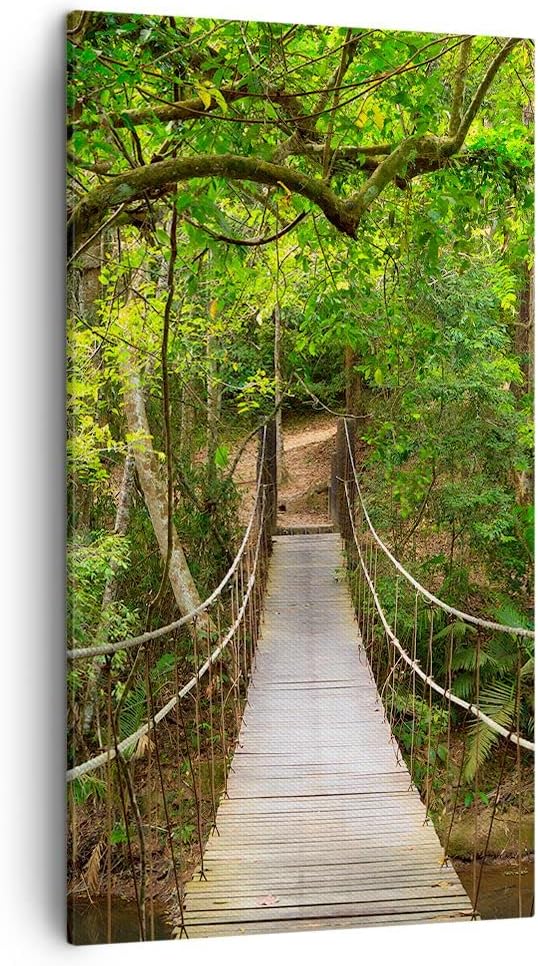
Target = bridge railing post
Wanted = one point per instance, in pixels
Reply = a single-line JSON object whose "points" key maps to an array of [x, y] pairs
{"points": [[269, 470], [342, 473]]}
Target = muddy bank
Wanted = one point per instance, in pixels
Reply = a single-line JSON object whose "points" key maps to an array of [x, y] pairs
{"points": [[503, 839]]}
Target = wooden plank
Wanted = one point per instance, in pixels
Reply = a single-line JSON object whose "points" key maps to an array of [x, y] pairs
{"points": [[308, 925], [309, 897], [321, 814], [314, 825], [262, 884], [368, 907], [321, 887]]}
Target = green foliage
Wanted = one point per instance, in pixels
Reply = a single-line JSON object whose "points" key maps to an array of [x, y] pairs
{"points": [[136, 707], [118, 834], [185, 833], [497, 700], [427, 304], [92, 560], [87, 787]]}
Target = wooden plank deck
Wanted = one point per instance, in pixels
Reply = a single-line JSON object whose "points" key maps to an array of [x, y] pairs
{"points": [[322, 827]]}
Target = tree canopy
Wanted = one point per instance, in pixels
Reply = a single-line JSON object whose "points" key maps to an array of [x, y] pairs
{"points": [[331, 116]]}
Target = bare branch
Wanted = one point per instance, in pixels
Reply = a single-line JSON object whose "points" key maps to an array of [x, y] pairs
{"points": [[251, 242]]}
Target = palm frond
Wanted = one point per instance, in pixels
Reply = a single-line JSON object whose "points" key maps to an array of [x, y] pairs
{"points": [[497, 700], [134, 711], [527, 671], [463, 685], [509, 614], [458, 628]]}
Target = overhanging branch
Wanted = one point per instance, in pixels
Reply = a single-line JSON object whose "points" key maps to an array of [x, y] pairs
{"points": [[414, 155], [131, 186]]}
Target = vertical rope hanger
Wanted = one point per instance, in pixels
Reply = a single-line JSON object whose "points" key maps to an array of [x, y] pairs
{"points": [[432, 756]]}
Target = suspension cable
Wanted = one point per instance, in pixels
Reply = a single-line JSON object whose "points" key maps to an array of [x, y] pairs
{"points": [[92, 763], [468, 618], [130, 642], [444, 692]]}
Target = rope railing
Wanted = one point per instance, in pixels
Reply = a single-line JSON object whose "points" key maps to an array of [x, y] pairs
{"points": [[444, 692], [77, 653], [457, 697], [172, 782], [468, 618], [102, 759]]}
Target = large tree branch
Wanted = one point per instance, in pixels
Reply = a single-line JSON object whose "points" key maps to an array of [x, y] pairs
{"points": [[339, 77], [414, 155], [419, 154], [346, 157], [131, 186], [454, 143], [307, 129], [163, 112]]}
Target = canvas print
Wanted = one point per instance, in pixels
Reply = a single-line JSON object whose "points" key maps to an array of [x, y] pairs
{"points": [[300, 300]]}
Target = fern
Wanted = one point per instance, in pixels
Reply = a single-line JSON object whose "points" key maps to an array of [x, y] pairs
{"points": [[509, 614], [463, 686], [465, 659], [459, 629], [134, 711], [498, 702]]}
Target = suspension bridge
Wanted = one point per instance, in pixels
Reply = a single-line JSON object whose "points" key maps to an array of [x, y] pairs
{"points": [[316, 741]]}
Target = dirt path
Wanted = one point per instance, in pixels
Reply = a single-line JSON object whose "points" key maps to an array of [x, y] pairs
{"points": [[308, 449]]}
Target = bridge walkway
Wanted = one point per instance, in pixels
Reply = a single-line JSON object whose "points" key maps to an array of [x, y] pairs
{"points": [[322, 827]]}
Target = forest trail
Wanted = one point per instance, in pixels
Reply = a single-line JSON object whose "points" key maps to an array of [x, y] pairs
{"points": [[308, 448]]}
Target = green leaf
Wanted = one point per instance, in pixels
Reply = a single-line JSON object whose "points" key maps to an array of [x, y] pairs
{"points": [[204, 95], [118, 834], [162, 236], [221, 456]]}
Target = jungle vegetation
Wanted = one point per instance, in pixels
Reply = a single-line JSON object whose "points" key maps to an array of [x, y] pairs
{"points": [[268, 218]]}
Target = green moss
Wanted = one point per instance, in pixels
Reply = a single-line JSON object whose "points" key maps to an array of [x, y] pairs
{"points": [[503, 840]]}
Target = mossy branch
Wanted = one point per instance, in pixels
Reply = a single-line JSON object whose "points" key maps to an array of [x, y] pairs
{"points": [[413, 156]]}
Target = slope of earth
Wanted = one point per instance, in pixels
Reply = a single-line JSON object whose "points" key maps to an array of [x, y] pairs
{"points": [[308, 449]]}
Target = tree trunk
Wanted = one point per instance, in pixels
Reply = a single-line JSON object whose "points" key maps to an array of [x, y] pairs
{"points": [[524, 348], [154, 489], [109, 594], [524, 330], [530, 332], [353, 383], [213, 406], [188, 414]]}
